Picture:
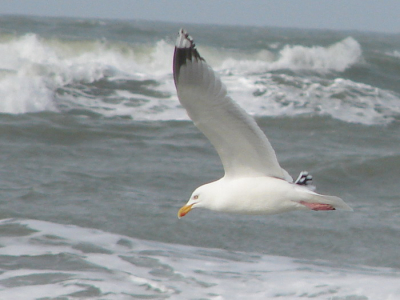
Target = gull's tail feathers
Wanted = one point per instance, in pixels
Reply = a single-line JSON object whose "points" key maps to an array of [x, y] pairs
{"points": [[315, 201], [336, 202]]}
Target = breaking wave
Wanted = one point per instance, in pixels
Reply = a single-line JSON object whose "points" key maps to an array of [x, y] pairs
{"points": [[337, 57], [121, 79]]}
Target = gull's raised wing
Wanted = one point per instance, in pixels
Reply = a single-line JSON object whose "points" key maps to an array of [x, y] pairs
{"points": [[242, 146]]}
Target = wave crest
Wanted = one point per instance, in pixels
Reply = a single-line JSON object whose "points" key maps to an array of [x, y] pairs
{"points": [[120, 79], [33, 70], [335, 58]]}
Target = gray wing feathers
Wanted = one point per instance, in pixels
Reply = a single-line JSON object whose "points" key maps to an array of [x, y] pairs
{"points": [[242, 146]]}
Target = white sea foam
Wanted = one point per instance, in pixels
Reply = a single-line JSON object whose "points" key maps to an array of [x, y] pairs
{"points": [[39, 74], [33, 69], [336, 57], [286, 95], [394, 53], [92, 264]]}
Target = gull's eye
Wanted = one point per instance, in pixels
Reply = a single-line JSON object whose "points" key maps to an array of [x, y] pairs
{"points": [[195, 197]]}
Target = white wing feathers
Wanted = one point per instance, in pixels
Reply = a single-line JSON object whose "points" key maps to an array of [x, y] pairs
{"points": [[242, 146]]}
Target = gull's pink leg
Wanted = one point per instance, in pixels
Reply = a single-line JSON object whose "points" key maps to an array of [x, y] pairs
{"points": [[317, 206]]}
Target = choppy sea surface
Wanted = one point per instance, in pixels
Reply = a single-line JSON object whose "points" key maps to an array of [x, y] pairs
{"points": [[97, 156]]}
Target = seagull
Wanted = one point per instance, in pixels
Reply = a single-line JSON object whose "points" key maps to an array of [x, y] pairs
{"points": [[254, 183]]}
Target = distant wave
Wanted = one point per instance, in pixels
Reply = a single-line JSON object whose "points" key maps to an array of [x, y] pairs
{"points": [[394, 53], [135, 80], [33, 69], [337, 57]]}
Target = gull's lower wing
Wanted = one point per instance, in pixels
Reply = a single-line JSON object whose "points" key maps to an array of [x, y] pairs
{"points": [[242, 146]]}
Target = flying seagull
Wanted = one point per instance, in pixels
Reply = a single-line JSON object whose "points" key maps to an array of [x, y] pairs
{"points": [[254, 182]]}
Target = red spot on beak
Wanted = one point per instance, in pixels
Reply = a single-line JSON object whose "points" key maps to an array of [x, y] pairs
{"points": [[184, 210]]}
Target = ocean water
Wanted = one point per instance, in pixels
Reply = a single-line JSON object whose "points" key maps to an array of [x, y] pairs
{"points": [[97, 156]]}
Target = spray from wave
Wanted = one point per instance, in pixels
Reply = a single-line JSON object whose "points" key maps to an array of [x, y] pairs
{"points": [[337, 57], [121, 79], [37, 72]]}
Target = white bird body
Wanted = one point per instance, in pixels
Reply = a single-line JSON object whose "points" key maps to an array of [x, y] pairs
{"points": [[259, 195], [254, 182], [268, 195]]}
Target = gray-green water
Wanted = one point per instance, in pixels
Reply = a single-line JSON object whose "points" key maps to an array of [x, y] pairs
{"points": [[97, 156]]}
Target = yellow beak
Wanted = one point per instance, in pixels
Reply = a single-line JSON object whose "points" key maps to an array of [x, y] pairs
{"points": [[184, 210]]}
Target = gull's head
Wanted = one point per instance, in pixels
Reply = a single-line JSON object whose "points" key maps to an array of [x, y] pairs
{"points": [[201, 197]]}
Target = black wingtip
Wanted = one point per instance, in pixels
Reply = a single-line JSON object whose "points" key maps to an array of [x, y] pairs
{"points": [[184, 40], [185, 49]]}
